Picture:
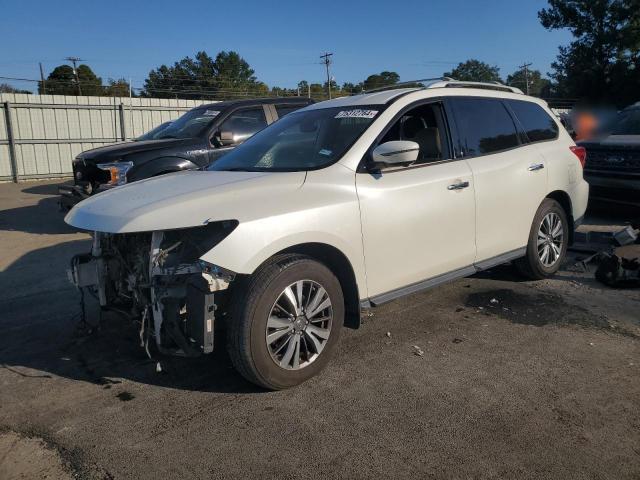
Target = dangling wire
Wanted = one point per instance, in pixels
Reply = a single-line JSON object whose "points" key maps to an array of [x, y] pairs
{"points": [[144, 332]]}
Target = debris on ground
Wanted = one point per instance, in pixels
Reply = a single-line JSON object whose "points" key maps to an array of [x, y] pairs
{"points": [[626, 236], [388, 334], [457, 340], [418, 351], [620, 269], [493, 301]]}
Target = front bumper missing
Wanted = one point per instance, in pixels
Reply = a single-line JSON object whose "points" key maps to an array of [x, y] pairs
{"points": [[180, 301]]}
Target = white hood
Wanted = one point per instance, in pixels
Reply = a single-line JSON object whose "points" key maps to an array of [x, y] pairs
{"points": [[184, 199]]}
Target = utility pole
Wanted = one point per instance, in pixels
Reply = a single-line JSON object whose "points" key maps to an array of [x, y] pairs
{"points": [[75, 60], [326, 59], [44, 84], [526, 75]]}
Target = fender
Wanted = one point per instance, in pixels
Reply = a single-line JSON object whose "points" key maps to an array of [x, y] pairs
{"points": [[159, 166], [259, 238]]}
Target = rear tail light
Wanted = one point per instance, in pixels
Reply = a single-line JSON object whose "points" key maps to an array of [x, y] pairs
{"points": [[581, 153]]}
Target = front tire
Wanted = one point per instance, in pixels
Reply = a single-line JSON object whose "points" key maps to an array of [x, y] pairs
{"points": [[285, 322], [548, 242]]}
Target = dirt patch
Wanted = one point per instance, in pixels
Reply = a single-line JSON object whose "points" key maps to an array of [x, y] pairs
{"points": [[536, 309], [30, 457]]}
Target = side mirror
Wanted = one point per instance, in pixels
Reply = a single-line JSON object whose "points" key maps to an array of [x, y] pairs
{"points": [[395, 153]]}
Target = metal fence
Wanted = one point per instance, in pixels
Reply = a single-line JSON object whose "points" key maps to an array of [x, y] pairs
{"points": [[41, 134]]}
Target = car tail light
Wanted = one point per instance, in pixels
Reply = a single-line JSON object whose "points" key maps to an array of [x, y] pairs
{"points": [[581, 153]]}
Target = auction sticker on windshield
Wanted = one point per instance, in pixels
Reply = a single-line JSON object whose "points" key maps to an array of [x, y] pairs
{"points": [[211, 113], [356, 114]]}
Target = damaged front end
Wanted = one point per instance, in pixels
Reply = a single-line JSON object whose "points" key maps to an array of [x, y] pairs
{"points": [[159, 279]]}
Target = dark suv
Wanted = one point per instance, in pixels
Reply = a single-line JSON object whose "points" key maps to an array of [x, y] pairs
{"points": [[613, 159], [195, 140]]}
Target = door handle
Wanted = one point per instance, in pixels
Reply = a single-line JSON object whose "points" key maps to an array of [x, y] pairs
{"points": [[458, 186], [536, 166]]}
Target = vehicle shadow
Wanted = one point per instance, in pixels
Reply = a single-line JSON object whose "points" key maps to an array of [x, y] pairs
{"points": [[43, 217], [43, 335], [49, 189]]}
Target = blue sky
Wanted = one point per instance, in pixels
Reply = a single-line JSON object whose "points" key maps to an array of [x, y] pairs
{"points": [[281, 40]]}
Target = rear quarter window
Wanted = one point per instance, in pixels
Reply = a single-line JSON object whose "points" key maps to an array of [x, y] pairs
{"points": [[537, 124], [484, 126]]}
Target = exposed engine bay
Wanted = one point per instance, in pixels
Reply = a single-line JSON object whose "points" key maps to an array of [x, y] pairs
{"points": [[158, 279]]}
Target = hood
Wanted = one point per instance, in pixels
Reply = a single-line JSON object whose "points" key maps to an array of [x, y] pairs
{"points": [[619, 141], [119, 150], [184, 199]]}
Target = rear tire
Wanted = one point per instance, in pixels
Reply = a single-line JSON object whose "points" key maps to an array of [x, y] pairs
{"points": [[263, 310], [548, 241]]}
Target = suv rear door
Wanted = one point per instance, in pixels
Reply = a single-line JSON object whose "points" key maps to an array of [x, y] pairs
{"points": [[509, 174]]}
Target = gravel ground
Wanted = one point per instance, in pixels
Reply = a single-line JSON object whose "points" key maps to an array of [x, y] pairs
{"points": [[486, 377]]}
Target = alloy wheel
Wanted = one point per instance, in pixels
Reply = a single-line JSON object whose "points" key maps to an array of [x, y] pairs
{"points": [[299, 325], [550, 239]]}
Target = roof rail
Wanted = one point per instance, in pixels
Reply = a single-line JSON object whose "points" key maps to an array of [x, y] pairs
{"points": [[408, 84], [450, 83], [446, 82]]}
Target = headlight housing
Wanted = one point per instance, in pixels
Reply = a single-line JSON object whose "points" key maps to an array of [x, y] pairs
{"points": [[117, 170]]}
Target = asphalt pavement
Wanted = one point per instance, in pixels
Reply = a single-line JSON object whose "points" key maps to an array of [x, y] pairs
{"points": [[487, 377]]}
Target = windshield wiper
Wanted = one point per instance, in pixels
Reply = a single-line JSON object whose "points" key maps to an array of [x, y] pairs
{"points": [[162, 137]]}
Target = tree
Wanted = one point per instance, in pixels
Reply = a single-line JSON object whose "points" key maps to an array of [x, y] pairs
{"points": [[475, 71], [303, 87], [187, 78], [6, 88], [602, 62], [62, 81], [538, 86], [381, 79], [352, 88], [117, 88], [226, 76], [91, 84], [318, 91], [233, 73]]}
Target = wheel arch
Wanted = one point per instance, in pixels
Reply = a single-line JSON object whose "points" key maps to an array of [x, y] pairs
{"points": [[564, 200], [341, 267]]}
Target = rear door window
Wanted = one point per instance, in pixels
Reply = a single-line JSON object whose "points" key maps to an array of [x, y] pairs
{"points": [[284, 109], [537, 123], [484, 126]]}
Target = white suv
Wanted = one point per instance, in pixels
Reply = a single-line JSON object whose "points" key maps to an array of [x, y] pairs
{"points": [[342, 205]]}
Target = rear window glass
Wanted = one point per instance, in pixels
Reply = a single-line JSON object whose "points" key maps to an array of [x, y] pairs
{"points": [[484, 126], [537, 123]]}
